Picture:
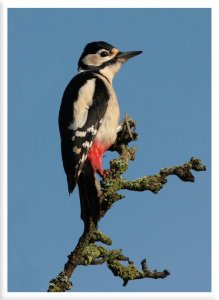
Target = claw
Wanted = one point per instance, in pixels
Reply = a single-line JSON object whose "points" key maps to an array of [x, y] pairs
{"points": [[126, 120], [119, 128], [106, 173]]}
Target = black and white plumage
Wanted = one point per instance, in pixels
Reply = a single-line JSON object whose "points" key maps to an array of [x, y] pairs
{"points": [[88, 122]]}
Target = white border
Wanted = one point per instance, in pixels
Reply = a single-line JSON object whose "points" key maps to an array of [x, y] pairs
{"points": [[215, 160], [4, 5], [3, 149], [109, 4]]}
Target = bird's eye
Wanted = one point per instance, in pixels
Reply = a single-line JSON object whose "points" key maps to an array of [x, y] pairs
{"points": [[104, 53]]}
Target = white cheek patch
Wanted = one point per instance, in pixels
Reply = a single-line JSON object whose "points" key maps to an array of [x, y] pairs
{"points": [[96, 59], [92, 59]]}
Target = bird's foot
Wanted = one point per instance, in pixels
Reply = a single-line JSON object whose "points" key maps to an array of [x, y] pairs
{"points": [[128, 122], [106, 173], [126, 131]]}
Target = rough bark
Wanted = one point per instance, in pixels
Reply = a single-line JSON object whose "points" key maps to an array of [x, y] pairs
{"points": [[87, 252]]}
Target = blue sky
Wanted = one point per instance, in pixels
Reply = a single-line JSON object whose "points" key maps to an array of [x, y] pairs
{"points": [[166, 90]]}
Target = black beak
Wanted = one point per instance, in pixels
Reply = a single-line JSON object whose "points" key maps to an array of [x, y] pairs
{"points": [[128, 55]]}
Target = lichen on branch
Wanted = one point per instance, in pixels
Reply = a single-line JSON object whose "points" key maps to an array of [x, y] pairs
{"points": [[88, 252]]}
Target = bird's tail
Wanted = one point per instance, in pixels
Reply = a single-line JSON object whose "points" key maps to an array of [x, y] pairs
{"points": [[90, 195]]}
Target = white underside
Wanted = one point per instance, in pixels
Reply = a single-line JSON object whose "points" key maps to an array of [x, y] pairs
{"points": [[107, 131]]}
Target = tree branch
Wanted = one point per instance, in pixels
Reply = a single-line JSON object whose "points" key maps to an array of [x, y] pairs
{"points": [[87, 252]]}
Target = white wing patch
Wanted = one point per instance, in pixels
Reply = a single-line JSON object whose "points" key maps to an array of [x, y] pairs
{"points": [[87, 144], [81, 106], [83, 158], [92, 130], [76, 150], [80, 133]]}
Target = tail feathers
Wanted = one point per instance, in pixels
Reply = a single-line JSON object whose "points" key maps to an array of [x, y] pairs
{"points": [[90, 195], [71, 183]]}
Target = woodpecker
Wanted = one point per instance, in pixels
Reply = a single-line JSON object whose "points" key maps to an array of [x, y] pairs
{"points": [[88, 122]]}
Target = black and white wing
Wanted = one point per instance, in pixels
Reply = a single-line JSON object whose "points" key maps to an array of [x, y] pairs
{"points": [[83, 105]]}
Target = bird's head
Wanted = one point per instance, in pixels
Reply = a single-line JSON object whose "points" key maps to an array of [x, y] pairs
{"points": [[104, 57]]}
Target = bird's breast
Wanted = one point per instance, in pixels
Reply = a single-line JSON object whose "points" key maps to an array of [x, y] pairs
{"points": [[107, 131]]}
